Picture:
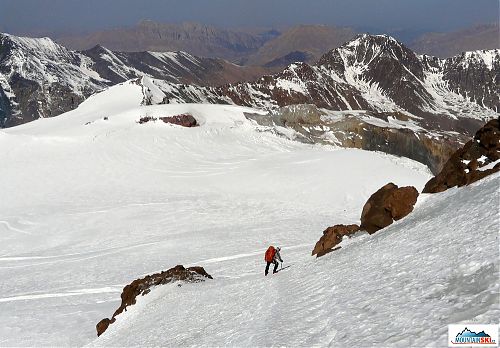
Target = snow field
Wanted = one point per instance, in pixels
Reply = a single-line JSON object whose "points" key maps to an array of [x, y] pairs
{"points": [[90, 204]]}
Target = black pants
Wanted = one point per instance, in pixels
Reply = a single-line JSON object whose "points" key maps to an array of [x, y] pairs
{"points": [[275, 267]]}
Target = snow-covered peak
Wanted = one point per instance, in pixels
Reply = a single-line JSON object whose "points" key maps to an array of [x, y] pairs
{"points": [[368, 39], [38, 47], [46, 64], [487, 58], [365, 47]]}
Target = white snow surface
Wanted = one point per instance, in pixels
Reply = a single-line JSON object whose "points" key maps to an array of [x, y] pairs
{"points": [[437, 266], [89, 204]]}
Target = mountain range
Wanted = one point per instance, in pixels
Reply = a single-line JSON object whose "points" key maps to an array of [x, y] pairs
{"points": [[195, 38], [270, 46], [372, 92], [40, 78], [374, 73]]}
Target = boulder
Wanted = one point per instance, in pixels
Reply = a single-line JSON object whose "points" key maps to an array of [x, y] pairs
{"points": [[389, 203], [144, 285], [103, 325], [184, 120], [477, 159], [332, 236]]}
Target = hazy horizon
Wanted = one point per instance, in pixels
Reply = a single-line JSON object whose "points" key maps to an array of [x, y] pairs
{"points": [[73, 16]]}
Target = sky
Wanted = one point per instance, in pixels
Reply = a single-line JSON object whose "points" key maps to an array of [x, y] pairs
{"points": [[25, 16]]}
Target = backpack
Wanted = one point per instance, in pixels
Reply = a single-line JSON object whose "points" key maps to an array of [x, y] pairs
{"points": [[270, 254]]}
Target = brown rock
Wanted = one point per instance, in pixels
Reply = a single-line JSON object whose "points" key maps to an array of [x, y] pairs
{"points": [[331, 237], [401, 201], [103, 325], [184, 120], [143, 287], [464, 166], [389, 203]]}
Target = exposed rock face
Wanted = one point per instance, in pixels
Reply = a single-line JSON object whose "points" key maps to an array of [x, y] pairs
{"points": [[332, 236], [386, 205], [143, 286], [478, 158], [184, 120], [366, 130]]}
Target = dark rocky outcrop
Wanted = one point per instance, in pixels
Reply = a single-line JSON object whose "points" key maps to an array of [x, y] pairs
{"points": [[332, 236], [143, 286], [474, 161], [184, 120], [389, 203], [146, 119]]}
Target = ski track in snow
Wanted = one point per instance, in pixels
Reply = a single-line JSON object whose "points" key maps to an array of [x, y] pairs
{"points": [[107, 202], [10, 228], [78, 292]]}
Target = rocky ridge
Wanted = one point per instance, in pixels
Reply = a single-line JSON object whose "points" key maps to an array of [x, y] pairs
{"points": [[143, 286], [477, 159]]}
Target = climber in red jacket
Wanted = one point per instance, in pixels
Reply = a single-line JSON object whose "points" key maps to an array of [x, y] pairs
{"points": [[272, 256]]}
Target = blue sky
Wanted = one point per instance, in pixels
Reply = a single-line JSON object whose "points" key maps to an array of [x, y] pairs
{"points": [[19, 16]]}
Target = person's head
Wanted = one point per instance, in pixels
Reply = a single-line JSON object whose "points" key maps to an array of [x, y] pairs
{"points": [[278, 248]]}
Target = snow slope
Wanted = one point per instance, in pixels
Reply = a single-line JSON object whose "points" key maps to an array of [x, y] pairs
{"points": [[400, 287], [90, 204]]}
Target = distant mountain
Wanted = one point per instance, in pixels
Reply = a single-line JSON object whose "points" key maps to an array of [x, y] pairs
{"points": [[372, 93], [378, 73], [287, 59], [482, 37], [197, 39], [40, 78], [305, 43], [250, 47]]}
